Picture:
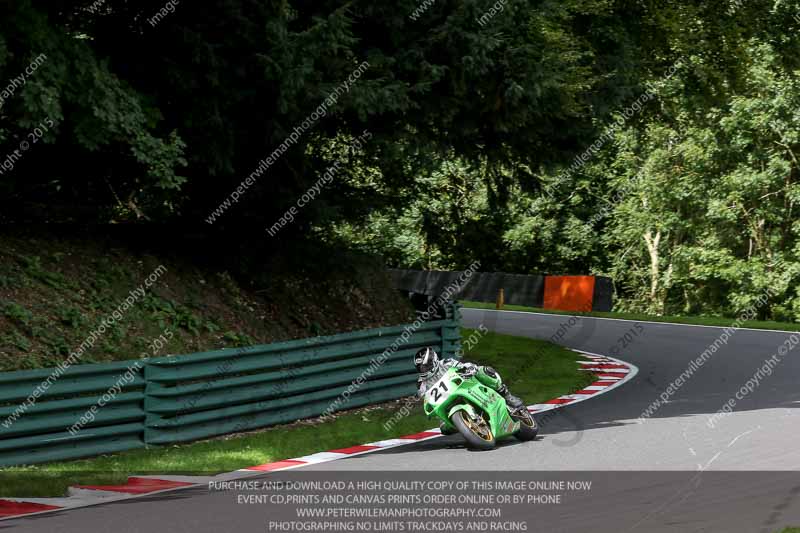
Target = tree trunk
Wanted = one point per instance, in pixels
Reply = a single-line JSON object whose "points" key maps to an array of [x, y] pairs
{"points": [[652, 248]]}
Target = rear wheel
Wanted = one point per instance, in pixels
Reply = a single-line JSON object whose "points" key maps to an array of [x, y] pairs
{"points": [[528, 428], [476, 431]]}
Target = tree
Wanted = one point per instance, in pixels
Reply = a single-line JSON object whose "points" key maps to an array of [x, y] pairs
{"points": [[96, 140]]}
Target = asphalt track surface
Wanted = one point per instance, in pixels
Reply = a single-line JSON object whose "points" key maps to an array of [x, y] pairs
{"points": [[673, 472]]}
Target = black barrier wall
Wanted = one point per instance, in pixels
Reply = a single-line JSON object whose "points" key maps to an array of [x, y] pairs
{"points": [[602, 300], [518, 289]]}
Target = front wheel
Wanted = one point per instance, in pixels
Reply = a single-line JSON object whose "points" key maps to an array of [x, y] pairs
{"points": [[528, 428], [477, 433]]}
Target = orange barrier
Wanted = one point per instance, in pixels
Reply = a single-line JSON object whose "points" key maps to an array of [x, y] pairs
{"points": [[569, 293]]}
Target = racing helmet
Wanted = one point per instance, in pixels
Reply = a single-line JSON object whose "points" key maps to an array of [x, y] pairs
{"points": [[426, 361]]}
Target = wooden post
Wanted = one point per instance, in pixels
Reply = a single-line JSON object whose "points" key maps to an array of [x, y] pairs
{"points": [[500, 299]]}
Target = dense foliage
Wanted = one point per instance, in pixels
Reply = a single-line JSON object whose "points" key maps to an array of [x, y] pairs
{"points": [[685, 197], [653, 143]]}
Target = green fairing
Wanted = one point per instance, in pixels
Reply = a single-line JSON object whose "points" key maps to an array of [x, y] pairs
{"points": [[494, 382], [453, 393]]}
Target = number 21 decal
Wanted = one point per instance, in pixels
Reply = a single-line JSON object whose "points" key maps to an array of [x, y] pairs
{"points": [[436, 394]]}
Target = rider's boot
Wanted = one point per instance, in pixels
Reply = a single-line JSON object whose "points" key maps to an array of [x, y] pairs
{"points": [[514, 403]]}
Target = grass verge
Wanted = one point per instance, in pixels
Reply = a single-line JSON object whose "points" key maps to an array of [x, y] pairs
{"points": [[697, 320], [534, 370]]}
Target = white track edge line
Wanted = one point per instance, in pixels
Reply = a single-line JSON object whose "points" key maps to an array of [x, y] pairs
{"points": [[626, 320], [633, 370]]}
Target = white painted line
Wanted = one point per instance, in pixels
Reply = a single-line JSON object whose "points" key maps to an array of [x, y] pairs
{"points": [[390, 442], [578, 396], [320, 457], [253, 473], [183, 479], [393, 443], [627, 320], [236, 474], [58, 502], [92, 494]]}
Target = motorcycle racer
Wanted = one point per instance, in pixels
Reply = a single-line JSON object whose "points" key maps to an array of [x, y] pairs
{"points": [[431, 368]]}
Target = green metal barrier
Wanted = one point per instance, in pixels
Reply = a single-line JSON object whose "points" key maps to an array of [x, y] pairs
{"points": [[187, 397], [41, 431]]}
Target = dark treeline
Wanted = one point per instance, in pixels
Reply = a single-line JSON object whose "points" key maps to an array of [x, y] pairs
{"points": [[653, 142]]}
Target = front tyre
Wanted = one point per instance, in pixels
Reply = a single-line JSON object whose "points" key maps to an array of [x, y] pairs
{"points": [[477, 433], [528, 428]]}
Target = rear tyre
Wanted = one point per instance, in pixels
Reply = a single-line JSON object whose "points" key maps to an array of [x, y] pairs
{"points": [[477, 433], [528, 428]]}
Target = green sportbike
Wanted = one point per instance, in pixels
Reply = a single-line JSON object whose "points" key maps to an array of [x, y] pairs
{"points": [[481, 415]]}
